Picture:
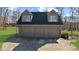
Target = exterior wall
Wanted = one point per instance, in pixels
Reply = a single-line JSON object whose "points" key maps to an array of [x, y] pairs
{"points": [[39, 31]]}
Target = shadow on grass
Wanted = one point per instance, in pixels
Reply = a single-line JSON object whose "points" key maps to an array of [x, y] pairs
{"points": [[29, 44]]}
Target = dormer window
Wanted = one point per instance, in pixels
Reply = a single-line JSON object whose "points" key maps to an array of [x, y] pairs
{"points": [[26, 18], [52, 18]]}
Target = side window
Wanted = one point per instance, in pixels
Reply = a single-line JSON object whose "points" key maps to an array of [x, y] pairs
{"points": [[52, 18], [27, 18]]}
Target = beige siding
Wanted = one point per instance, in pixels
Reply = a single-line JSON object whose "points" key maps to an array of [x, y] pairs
{"points": [[44, 31]]}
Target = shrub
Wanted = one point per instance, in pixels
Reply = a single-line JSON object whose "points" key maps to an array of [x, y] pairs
{"points": [[64, 35]]}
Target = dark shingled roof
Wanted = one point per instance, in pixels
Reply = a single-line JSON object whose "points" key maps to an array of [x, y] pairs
{"points": [[40, 18]]}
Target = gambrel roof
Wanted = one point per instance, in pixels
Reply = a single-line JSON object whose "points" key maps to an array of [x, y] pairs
{"points": [[40, 18]]}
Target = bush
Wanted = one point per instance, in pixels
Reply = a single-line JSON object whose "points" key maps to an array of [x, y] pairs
{"points": [[64, 35]]}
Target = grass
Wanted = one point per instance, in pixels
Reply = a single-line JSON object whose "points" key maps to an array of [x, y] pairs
{"points": [[4, 34], [76, 43]]}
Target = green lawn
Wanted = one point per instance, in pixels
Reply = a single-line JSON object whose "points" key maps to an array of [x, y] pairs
{"points": [[76, 43], [6, 33]]}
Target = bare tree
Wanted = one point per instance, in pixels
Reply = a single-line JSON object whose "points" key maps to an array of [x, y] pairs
{"points": [[72, 11], [5, 17], [1, 11], [60, 10], [15, 16], [77, 17]]}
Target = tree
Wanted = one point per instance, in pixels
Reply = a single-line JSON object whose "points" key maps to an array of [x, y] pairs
{"points": [[77, 17], [5, 17], [15, 16], [72, 11], [1, 11], [60, 10]]}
